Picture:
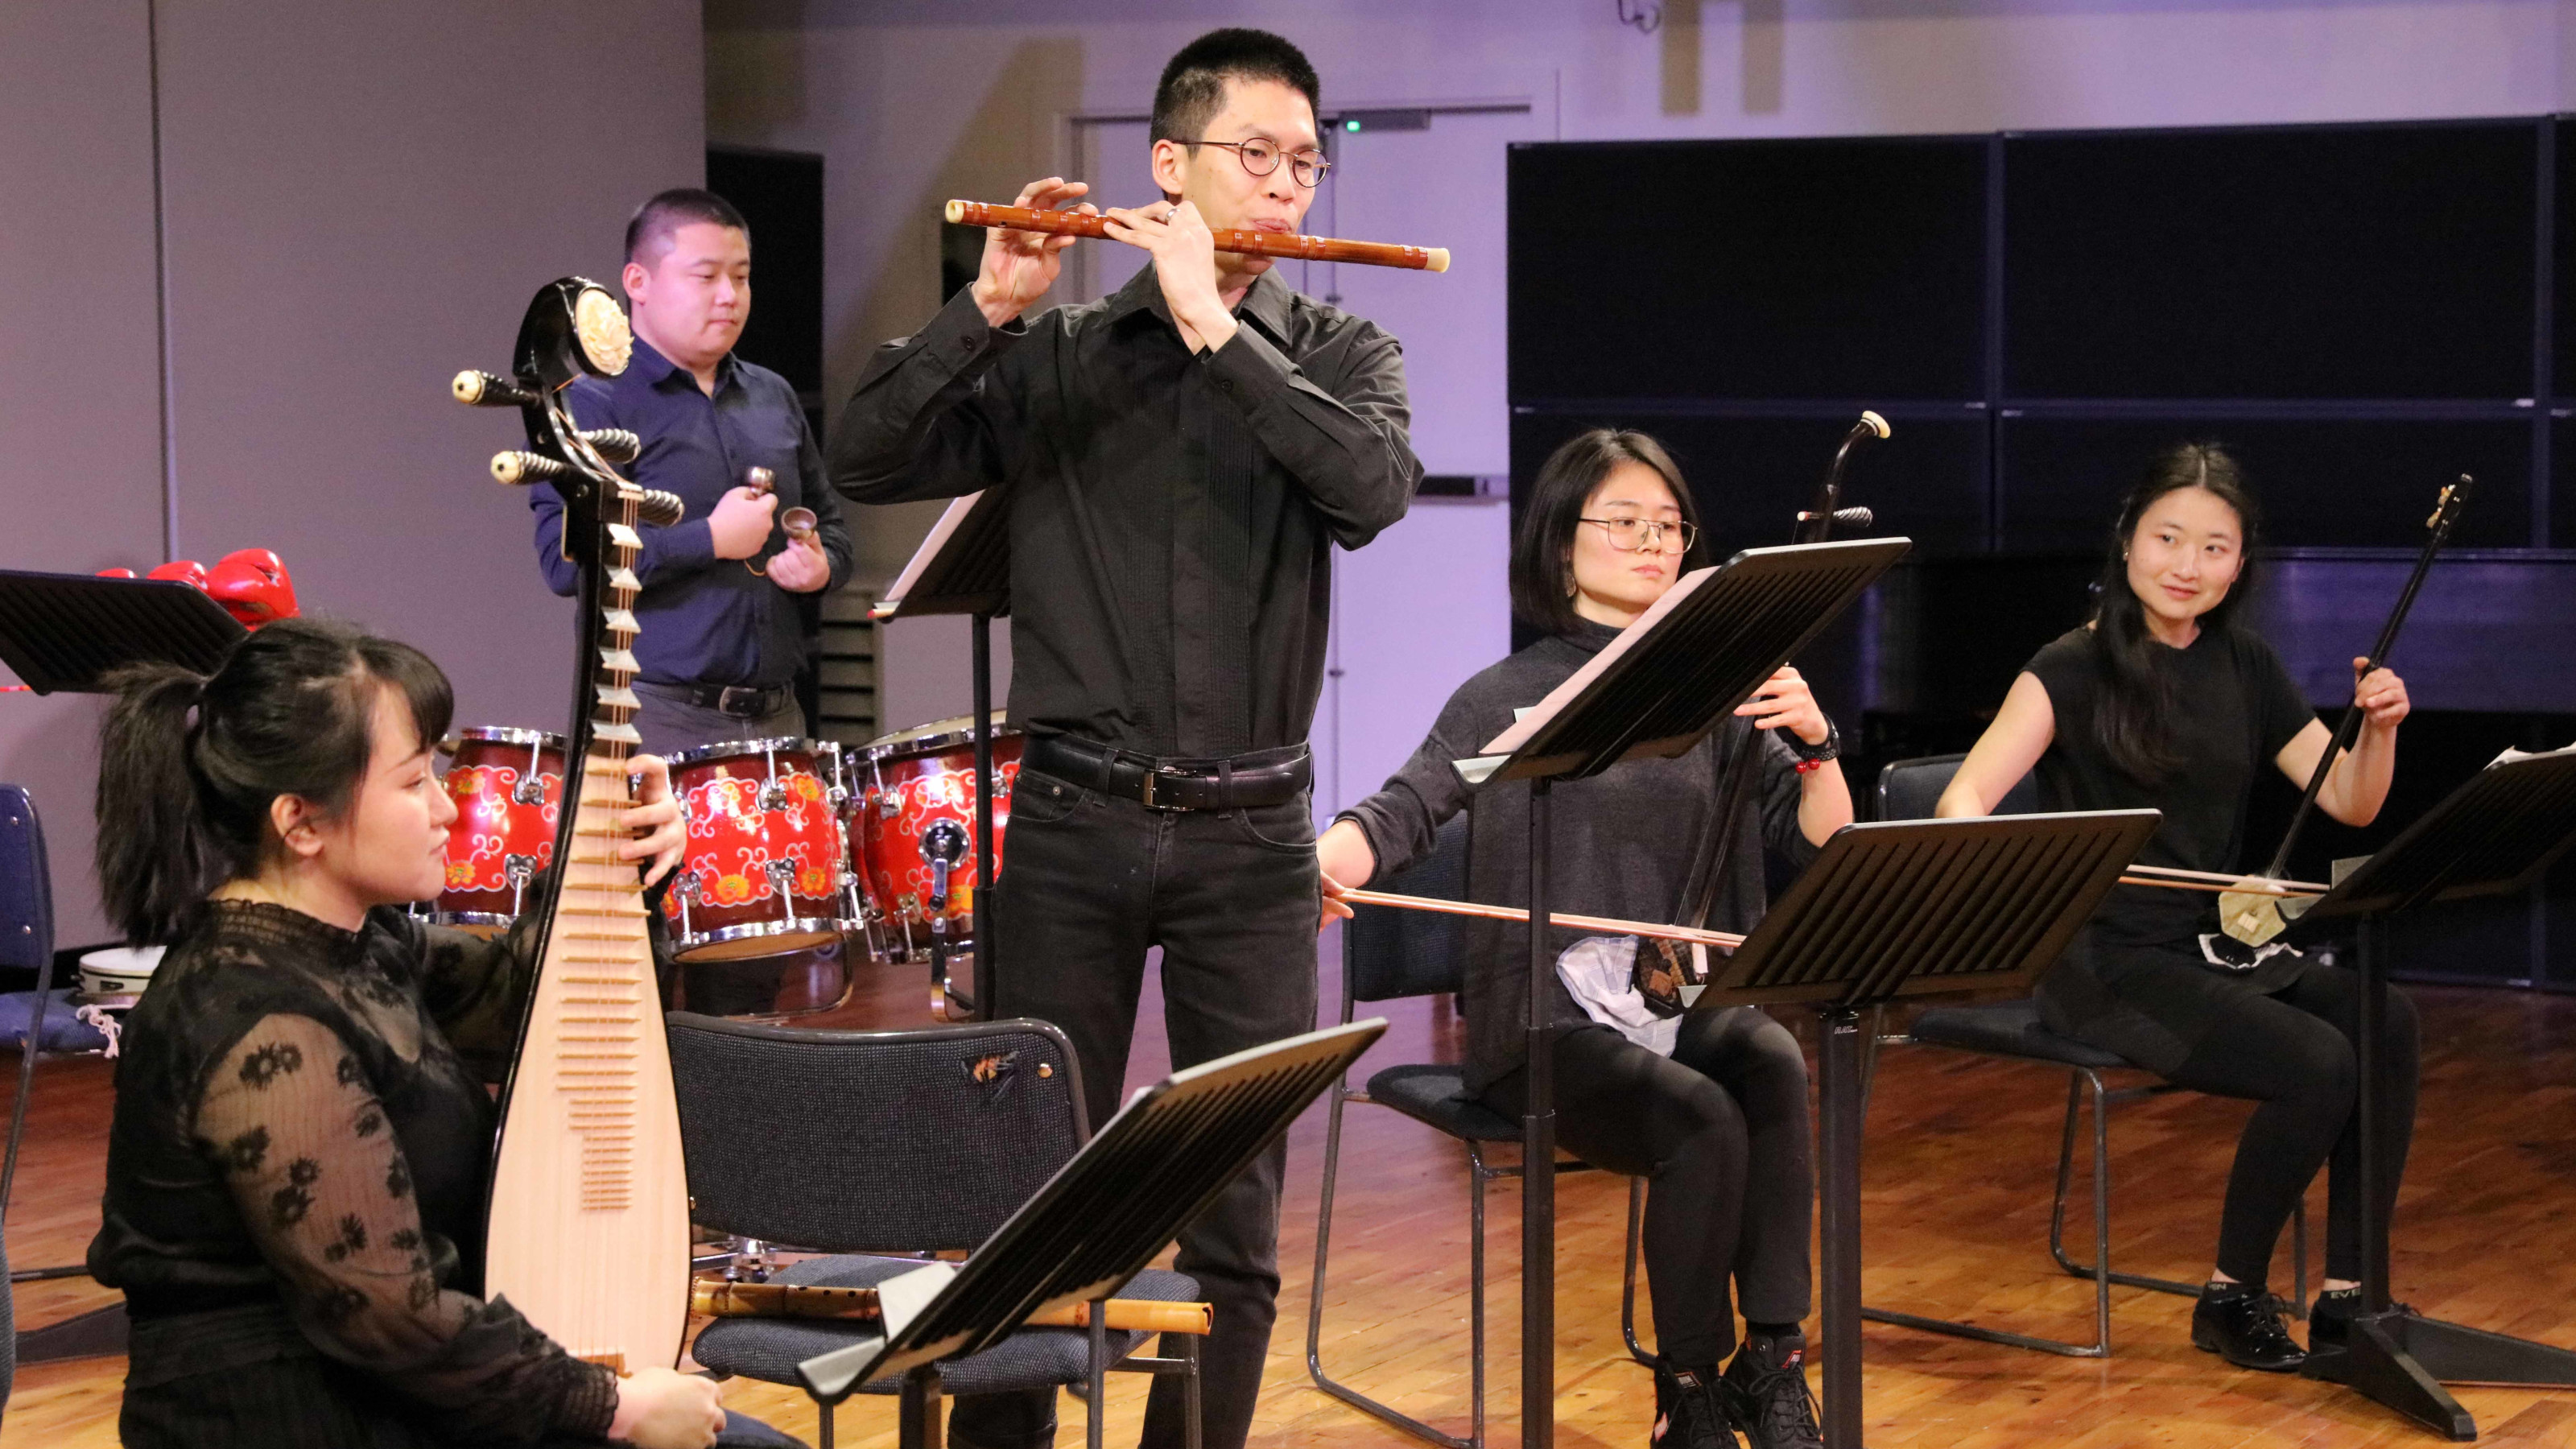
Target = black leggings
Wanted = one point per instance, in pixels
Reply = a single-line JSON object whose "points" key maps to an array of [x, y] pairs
{"points": [[1720, 1130], [2293, 1053]]}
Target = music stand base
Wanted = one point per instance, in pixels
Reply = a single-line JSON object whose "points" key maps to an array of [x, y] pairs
{"points": [[2402, 1361], [99, 1333]]}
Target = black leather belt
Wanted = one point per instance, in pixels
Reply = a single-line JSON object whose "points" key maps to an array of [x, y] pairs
{"points": [[740, 701], [1238, 782]]}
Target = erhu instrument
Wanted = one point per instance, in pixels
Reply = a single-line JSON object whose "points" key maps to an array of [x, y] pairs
{"points": [[1242, 243], [2251, 916], [588, 1222]]}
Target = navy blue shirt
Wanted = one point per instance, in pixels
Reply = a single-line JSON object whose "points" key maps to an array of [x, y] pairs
{"points": [[706, 620]]}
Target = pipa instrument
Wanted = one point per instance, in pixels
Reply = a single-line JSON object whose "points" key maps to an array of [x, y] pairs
{"points": [[588, 1223]]}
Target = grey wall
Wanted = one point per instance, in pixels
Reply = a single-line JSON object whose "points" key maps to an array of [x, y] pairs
{"points": [[357, 200]]}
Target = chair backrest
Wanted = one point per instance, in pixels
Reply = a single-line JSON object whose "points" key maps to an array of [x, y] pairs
{"points": [[1387, 953], [871, 1141], [26, 886], [1908, 789]]}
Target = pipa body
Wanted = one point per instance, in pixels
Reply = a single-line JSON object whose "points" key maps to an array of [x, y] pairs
{"points": [[588, 1226]]}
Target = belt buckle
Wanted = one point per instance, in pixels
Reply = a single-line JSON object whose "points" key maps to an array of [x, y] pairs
{"points": [[1151, 772], [738, 701]]}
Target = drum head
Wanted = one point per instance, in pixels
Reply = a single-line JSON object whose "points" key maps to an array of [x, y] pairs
{"points": [[119, 973], [502, 735], [939, 734], [735, 749]]}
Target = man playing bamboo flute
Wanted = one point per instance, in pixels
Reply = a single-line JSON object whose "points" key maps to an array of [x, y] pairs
{"points": [[1179, 460]]}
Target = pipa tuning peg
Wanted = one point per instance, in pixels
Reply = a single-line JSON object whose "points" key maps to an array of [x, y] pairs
{"points": [[486, 390], [658, 508], [616, 445], [1854, 518], [519, 468]]}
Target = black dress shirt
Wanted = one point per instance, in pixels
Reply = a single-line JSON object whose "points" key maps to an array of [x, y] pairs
{"points": [[1172, 515], [706, 620]]}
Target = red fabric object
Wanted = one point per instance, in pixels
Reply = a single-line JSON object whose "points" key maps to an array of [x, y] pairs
{"points": [[185, 570], [118, 574], [252, 584]]}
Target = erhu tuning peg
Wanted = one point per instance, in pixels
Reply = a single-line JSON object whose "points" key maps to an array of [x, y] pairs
{"points": [[616, 445], [485, 390], [520, 468]]}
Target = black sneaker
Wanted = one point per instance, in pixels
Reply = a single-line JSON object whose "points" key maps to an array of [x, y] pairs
{"points": [[1766, 1391], [1688, 1414], [2241, 1322], [2332, 1315]]}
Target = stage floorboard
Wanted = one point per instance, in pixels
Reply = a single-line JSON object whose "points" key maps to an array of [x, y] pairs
{"points": [[1956, 1187]]}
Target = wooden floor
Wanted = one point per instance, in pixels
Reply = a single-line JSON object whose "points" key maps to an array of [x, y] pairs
{"points": [[1956, 1211]]}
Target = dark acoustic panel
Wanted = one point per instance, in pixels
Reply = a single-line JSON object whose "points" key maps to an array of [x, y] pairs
{"points": [[2562, 486], [2563, 305], [1750, 476], [2376, 261], [1768, 269], [781, 194], [2322, 484]]}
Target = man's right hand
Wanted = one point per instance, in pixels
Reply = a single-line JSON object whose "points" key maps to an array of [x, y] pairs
{"points": [[740, 524], [1019, 266]]}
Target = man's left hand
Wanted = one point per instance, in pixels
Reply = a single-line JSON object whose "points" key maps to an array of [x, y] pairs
{"points": [[1184, 262], [800, 567]]}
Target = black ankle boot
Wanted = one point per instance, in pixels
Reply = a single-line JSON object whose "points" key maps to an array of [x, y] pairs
{"points": [[1688, 1414], [1766, 1391], [2241, 1323]]}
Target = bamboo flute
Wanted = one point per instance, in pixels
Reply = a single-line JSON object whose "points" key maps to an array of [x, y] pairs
{"points": [[1241, 243]]}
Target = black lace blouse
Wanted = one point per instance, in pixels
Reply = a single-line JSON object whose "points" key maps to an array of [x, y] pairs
{"points": [[301, 1122]]}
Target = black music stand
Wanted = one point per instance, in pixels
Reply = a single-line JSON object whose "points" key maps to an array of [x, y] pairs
{"points": [[964, 567], [63, 632], [2495, 835], [1674, 675], [1097, 1223], [1910, 908]]}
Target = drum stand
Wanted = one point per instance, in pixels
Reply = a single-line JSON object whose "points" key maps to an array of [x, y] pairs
{"points": [[964, 567]]}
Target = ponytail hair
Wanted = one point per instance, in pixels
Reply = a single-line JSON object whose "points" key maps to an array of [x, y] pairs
{"points": [[2133, 719], [189, 763]]}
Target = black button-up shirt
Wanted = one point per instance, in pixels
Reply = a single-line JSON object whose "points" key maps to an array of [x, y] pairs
{"points": [[1172, 515], [705, 620]]}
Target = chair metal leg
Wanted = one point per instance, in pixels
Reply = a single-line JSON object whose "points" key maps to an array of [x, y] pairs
{"points": [[1315, 1306], [1628, 1273], [1190, 1395], [823, 1417], [28, 1049], [2077, 1081], [919, 1423], [2102, 1100], [1096, 1407], [1476, 1299]]}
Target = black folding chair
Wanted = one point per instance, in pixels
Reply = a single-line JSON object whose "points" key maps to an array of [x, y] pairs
{"points": [[1388, 954], [890, 1142], [2012, 1031]]}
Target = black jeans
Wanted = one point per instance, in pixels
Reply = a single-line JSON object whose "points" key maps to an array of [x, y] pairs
{"points": [[1232, 898], [2293, 1053], [1720, 1131]]}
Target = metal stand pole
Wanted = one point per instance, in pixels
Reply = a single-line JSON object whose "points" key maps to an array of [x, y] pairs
{"points": [[1538, 1160], [982, 920], [1839, 1092]]}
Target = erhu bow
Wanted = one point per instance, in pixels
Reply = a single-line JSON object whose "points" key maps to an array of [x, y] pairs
{"points": [[588, 1222], [2255, 916]]}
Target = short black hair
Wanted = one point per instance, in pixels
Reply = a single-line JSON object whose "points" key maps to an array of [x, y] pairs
{"points": [[1542, 572], [1192, 89], [680, 206]]}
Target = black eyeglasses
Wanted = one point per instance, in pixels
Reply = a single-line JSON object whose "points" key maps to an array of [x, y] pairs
{"points": [[1628, 535], [1260, 156]]}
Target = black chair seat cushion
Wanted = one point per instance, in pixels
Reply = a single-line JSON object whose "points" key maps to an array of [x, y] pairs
{"points": [[1436, 1096], [2010, 1028], [769, 1349]]}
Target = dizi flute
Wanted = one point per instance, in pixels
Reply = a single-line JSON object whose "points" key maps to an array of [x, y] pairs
{"points": [[1241, 243]]}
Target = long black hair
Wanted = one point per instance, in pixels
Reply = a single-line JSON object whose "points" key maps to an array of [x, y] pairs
{"points": [[189, 763], [2133, 720], [1542, 573]]}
